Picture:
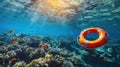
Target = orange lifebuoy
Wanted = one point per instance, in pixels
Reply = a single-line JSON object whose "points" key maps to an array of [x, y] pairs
{"points": [[101, 40]]}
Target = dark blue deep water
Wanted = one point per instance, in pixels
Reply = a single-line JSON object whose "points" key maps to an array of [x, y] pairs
{"points": [[29, 18]]}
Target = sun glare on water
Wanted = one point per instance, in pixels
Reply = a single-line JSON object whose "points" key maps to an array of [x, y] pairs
{"points": [[52, 10], [66, 8]]}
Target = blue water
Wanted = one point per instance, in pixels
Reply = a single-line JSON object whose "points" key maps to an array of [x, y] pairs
{"points": [[24, 25], [21, 24]]}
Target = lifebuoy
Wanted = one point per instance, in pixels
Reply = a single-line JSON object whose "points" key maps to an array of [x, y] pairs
{"points": [[101, 40]]}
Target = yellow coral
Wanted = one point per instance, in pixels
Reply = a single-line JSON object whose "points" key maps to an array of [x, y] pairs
{"points": [[48, 57], [34, 62]]}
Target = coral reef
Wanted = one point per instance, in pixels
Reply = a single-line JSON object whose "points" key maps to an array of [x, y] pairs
{"points": [[47, 61], [59, 52]]}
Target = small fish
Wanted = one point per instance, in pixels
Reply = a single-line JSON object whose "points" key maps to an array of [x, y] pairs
{"points": [[11, 31], [21, 39], [44, 46], [14, 42], [14, 59]]}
